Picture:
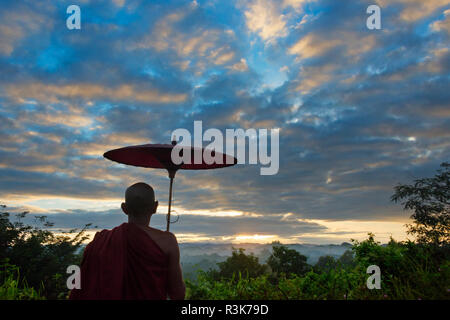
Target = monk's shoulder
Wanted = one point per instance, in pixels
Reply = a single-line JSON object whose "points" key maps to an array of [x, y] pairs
{"points": [[168, 237], [171, 244], [165, 239], [161, 234]]}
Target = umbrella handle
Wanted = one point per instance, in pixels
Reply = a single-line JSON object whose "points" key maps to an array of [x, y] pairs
{"points": [[171, 176]]}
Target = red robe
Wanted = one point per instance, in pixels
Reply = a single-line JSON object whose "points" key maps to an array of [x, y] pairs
{"points": [[123, 263]]}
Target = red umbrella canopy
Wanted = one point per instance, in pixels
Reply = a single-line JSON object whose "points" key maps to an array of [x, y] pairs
{"points": [[159, 156]]}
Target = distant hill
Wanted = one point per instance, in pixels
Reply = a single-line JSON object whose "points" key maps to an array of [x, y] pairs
{"points": [[203, 256]]}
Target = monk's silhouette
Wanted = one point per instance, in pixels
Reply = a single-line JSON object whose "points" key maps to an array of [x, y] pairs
{"points": [[133, 260]]}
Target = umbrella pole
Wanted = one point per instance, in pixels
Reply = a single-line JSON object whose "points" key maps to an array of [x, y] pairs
{"points": [[171, 176]]}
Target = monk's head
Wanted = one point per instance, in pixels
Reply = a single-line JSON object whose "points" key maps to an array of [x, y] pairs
{"points": [[139, 201]]}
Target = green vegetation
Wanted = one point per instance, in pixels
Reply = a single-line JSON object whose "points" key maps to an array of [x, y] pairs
{"points": [[31, 257], [239, 262], [430, 200], [11, 288], [409, 271], [287, 261]]}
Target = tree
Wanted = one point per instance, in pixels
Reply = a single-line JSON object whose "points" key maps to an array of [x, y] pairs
{"points": [[288, 261], [346, 260], [430, 200], [239, 262], [41, 256], [325, 264]]}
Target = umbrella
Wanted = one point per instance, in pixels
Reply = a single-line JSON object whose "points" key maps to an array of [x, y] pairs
{"points": [[159, 156]]}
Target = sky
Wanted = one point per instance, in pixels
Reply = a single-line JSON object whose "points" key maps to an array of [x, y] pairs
{"points": [[358, 111]]}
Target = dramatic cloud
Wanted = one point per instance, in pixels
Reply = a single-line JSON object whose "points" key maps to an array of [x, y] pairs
{"points": [[358, 110], [52, 93], [413, 10]]}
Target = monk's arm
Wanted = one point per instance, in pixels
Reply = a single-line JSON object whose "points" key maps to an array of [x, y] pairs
{"points": [[176, 284]]}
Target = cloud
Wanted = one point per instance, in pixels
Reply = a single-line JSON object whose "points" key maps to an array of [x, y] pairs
{"points": [[311, 46], [240, 66], [213, 226], [264, 18], [119, 3], [413, 10], [54, 93], [19, 23], [358, 110], [315, 76], [314, 45], [268, 19], [190, 46], [444, 24]]}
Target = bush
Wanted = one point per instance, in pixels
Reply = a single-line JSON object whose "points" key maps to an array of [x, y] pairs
{"points": [[12, 287]]}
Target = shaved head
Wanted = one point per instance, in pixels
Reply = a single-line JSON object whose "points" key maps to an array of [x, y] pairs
{"points": [[139, 199]]}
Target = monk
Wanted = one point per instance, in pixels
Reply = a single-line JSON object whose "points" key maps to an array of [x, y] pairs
{"points": [[133, 260]]}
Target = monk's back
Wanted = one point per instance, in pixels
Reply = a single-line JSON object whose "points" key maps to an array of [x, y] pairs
{"points": [[126, 262], [168, 244]]}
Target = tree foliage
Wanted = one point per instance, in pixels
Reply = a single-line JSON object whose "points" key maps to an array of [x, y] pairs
{"points": [[287, 261], [325, 264], [40, 255], [430, 200], [237, 265]]}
